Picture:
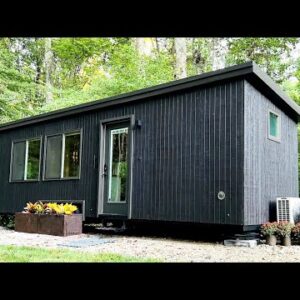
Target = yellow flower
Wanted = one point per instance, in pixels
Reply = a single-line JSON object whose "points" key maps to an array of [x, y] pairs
{"points": [[69, 208]]}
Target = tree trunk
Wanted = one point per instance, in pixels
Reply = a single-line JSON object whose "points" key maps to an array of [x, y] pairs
{"points": [[157, 45], [48, 70], [180, 58], [144, 46], [218, 53]]}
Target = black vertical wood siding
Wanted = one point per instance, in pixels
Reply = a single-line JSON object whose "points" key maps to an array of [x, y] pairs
{"points": [[271, 168], [190, 146]]}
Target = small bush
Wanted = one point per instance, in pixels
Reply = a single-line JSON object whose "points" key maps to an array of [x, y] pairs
{"points": [[269, 228], [296, 230], [7, 221], [281, 229], [284, 229]]}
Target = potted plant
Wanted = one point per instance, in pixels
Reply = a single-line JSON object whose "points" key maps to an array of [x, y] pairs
{"points": [[296, 231], [49, 218], [269, 231], [284, 230]]}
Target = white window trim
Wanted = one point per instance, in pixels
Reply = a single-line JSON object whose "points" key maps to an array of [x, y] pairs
{"points": [[271, 137], [63, 136]]}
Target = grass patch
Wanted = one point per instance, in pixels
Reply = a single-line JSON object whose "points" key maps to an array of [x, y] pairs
{"points": [[31, 254]]}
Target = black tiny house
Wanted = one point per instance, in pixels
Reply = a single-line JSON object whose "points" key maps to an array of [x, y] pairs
{"points": [[216, 148]]}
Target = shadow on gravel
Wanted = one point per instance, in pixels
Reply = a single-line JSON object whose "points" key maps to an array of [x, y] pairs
{"points": [[169, 231]]}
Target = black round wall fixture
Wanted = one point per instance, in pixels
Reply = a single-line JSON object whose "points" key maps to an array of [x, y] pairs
{"points": [[221, 195]]}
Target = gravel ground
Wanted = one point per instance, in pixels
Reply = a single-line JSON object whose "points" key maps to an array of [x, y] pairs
{"points": [[164, 249]]}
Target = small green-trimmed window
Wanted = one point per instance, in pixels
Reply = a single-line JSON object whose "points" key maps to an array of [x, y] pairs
{"points": [[25, 160], [274, 126]]}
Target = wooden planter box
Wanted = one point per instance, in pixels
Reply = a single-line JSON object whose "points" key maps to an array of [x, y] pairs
{"points": [[61, 225]]}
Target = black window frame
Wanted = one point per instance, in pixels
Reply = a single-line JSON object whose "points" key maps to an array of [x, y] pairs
{"points": [[63, 136], [11, 180]]}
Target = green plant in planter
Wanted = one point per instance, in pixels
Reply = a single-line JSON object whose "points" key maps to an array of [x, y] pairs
{"points": [[269, 228], [296, 231], [284, 229], [50, 208]]}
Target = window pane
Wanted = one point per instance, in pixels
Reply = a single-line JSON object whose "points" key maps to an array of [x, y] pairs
{"points": [[273, 125], [72, 155], [53, 157], [18, 161], [33, 163], [118, 165]]}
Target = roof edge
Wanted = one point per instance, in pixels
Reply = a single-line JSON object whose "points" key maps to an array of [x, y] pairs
{"points": [[248, 68], [275, 88], [205, 78]]}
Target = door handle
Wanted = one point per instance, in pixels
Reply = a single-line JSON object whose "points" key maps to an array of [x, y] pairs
{"points": [[104, 170]]}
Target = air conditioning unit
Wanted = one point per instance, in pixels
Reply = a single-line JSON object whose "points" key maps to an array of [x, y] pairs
{"points": [[288, 209]]}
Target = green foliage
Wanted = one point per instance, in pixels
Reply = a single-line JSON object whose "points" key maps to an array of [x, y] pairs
{"points": [[199, 56], [73, 54], [7, 220], [32, 254], [292, 88], [124, 71], [269, 228], [271, 54], [18, 91], [284, 229], [296, 230]]}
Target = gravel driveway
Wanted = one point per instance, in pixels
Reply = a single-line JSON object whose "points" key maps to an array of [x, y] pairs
{"points": [[168, 250]]}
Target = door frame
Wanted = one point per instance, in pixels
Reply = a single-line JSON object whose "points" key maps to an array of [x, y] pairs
{"points": [[102, 136]]}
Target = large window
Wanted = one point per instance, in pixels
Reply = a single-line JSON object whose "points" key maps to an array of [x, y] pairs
{"points": [[63, 156], [274, 126], [25, 161]]}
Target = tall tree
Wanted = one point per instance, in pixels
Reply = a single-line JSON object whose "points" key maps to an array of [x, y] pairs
{"points": [[17, 85], [144, 46], [180, 58], [218, 52], [271, 54], [48, 70], [198, 56]]}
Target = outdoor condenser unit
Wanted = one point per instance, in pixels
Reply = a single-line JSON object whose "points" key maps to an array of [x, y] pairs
{"points": [[288, 209]]}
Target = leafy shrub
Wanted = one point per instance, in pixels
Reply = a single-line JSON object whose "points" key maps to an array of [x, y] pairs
{"points": [[284, 229], [7, 221], [281, 229], [269, 228], [296, 230], [50, 208]]}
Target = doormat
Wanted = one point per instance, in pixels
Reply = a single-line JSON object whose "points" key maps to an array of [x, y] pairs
{"points": [[86, 242]]}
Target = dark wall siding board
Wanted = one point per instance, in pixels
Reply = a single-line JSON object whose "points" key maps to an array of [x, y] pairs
{"points": [[206, 215], [188, 148], [271, 168]]}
